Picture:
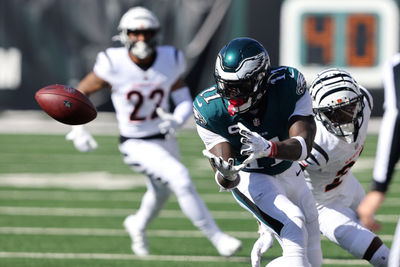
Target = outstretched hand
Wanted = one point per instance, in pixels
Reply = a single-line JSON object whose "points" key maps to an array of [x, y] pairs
{"points": [[227, 168], [82, 139], [226, 175], [169, 123]]}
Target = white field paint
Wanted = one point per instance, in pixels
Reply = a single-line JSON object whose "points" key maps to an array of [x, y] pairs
{"points": [[177, 258], [103, 212], [104, 180], [82, 181], [95, 196], [120, 232]]}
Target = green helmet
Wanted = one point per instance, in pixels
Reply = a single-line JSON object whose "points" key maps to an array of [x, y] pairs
{"points": [[239, 70]]}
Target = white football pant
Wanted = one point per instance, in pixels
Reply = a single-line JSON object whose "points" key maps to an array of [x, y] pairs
{"points": [[339, 223], [284, 204], [159, 160]]}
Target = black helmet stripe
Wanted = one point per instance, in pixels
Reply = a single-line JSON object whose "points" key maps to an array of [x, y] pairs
{"points": [[338, 89]]}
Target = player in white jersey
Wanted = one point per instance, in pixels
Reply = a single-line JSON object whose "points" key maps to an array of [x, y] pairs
{"points": [[142, 77], [342, 109]]}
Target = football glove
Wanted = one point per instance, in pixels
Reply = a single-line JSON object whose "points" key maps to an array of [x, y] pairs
{"points": [[263, 243], [225, 169], [254, 145], [169, 123], [83, 140]]}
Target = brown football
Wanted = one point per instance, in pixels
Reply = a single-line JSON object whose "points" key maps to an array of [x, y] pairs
{"points": [[66, 104]]}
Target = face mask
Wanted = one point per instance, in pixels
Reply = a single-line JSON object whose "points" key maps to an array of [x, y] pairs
{"points": [[141, 49]]}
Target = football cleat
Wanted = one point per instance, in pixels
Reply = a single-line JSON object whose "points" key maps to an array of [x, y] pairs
{"points": [[227, 245], [138, 236]]}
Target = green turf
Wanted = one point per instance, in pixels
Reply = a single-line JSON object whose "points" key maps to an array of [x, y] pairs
{"points": [[46, 155]]}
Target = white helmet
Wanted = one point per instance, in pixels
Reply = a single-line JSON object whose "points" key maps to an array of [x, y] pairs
{"points": [[138, 19], [338, 103]]}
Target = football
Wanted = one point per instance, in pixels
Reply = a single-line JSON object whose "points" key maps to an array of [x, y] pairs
{"points": [[66, 104]]}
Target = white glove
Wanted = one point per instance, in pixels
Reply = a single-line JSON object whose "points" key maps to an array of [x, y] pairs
{"points": [[83, 140], [263, 243], [169, 124], [227, 169], [254, 145]]}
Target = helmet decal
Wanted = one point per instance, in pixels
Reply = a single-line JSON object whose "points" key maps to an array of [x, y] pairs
{"points": [[240, 68]]}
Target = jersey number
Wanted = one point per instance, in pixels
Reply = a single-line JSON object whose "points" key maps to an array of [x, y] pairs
{"points": [[156, 94], [337, 181]]}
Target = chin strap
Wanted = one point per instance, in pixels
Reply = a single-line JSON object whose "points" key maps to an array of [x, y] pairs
{"points": [[233, 106]]}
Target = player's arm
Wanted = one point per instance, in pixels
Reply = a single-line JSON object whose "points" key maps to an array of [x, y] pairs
{"points": [[368, 207], [302, 132], [92, 83], [82, 139], [182, 100], [222, 158]]}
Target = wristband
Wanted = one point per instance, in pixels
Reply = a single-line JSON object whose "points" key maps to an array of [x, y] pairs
{"points": [[303, 144], [274, 150]]}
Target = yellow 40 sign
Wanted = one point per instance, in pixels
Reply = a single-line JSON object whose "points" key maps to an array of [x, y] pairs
{"points": [[356, 35]]}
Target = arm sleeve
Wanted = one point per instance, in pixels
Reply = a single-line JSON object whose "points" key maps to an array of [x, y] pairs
{"points": [[183, 104], [303, 106], [210, 139], [102, 66]]}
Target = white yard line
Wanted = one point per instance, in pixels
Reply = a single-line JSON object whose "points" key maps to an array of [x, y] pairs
{"points": [[178, 258], [366, 163], [98, 212], [90, 196], [98, 196], [114, 232], [120, 232], [103, 256], [81, 181], [103, 212]]}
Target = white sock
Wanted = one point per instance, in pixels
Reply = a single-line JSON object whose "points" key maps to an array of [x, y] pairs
{"points": [[381, 256]]}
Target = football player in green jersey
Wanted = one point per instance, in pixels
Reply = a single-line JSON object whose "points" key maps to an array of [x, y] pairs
{"points": [[256, 122]]}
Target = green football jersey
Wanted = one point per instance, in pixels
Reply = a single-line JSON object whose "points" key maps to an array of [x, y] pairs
{"points": [[284, 87]]}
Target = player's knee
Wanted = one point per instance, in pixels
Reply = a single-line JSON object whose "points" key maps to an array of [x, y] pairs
{"points": [[162, 194], [182, 184], [314, 252], [294, 235]]}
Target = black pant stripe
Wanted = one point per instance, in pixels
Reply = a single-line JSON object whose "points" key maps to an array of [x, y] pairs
{"points": [[265, 218], [376, 243]]}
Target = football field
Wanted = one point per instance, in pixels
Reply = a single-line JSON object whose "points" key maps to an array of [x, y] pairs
{"points": [[59, 207]]}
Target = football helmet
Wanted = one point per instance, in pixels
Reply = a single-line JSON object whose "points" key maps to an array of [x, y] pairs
{"points": [[138, 19], [338, 103], [239, 70]]}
